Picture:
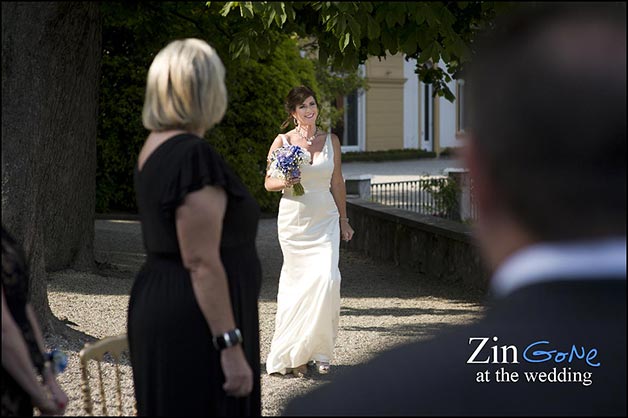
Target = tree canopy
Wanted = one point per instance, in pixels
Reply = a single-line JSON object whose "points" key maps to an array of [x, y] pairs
{"points": [[262, 45], [133, 33], [347, 33]]}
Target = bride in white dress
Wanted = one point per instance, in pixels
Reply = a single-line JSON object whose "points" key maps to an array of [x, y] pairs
{"points": [[310, 228]]}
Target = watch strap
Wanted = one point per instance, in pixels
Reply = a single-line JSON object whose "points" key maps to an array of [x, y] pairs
{"points": [[227, 339]]}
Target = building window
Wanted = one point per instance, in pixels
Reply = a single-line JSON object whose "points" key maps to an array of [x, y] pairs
{"points": [[347, 128], [460, 106], [427, 126]]}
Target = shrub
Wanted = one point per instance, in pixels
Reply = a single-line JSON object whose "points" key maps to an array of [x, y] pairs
{"points": [[256, 92], [390, 155]]}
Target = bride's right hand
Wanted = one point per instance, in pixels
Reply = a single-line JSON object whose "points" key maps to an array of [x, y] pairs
{"points": [[292, 181]]}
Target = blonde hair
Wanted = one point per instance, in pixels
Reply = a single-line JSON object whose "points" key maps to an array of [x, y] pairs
{"points": [[185, 88]]}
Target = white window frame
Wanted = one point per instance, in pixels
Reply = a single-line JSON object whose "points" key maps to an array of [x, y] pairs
{"points": [[427, 144], [460, 110], [361, 115]]}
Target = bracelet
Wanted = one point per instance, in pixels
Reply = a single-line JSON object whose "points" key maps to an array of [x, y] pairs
{"points": [[344, 219], [227, 339]]}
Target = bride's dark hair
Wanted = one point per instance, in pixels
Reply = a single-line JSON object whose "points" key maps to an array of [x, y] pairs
{"points": [[296, 96]]}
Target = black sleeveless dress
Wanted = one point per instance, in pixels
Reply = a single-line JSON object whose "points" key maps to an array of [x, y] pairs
{"points": [[176, 369]]}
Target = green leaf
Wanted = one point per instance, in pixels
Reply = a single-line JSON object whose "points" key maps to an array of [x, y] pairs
{"points": [[427, 53], [390, 41], [356, 33], [409, 44], [461, 49], [433, 51], [270, 18], [349, 61], [344, 41], [331, 22], [226, 8], [239, 48], [374, 47], [372, 27], [341, 26], [448, 94], [420, 13], [323, 56], [431, 13], [400, 13], [422, 39], [290, 12], [279, 13], [447, 19], [391, 19], [246, 10], [284, 15]]}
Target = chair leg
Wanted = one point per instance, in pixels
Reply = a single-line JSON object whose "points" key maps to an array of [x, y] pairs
{"points": [[118, 386], [87, 395], [102, 390]]}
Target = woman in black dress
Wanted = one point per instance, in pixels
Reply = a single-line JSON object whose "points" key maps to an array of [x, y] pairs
{"points": [[193, 321]]}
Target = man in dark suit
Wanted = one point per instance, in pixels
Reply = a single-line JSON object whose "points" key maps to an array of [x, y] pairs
{"points": [[546, 150]]}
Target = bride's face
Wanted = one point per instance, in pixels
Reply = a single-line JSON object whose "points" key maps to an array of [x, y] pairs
{"points": [[306, 112]]}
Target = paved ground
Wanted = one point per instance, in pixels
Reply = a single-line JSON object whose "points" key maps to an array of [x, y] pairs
{"points": [[404, 170], [382, 306]]}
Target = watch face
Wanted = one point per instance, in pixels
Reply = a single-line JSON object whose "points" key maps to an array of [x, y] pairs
{"points": [[234, 337]]}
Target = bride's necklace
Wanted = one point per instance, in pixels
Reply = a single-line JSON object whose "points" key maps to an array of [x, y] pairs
{"points": [[303, 135]]}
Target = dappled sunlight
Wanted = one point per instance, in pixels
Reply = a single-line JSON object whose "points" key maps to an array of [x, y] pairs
{"points": [[382, 306]]}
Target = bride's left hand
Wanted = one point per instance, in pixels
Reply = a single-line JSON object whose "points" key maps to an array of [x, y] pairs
{"points": [[346, 232]]}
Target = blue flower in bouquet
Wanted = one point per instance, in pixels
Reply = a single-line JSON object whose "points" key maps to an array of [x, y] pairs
{"points": [[286, 162]]}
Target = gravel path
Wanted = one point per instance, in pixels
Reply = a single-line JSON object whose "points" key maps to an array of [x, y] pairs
{"points": [[382, 306]]}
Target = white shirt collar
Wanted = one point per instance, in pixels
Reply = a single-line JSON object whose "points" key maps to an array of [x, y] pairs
{"points": [[565, 261]]}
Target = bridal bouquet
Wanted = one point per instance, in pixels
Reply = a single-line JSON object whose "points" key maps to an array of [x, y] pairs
{"points": [[286, 162]]}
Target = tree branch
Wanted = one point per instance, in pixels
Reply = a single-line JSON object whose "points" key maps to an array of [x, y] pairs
{"points": [[196, 24]]}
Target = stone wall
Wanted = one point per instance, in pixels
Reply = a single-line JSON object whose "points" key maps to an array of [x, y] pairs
{"points": [[433, 247]]}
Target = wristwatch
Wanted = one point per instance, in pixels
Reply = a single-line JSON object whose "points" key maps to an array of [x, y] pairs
{"points": [[228, 339]]}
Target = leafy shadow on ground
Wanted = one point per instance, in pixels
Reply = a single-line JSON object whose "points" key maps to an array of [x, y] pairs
{"points": [[400, 312], [107, 282], [414, 330]]}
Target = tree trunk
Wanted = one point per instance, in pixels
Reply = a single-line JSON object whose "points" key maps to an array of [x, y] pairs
{"points": [[51, 54]]}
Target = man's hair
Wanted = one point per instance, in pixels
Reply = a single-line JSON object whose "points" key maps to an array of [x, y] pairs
{"points": [[185, 88], [547, 111]]}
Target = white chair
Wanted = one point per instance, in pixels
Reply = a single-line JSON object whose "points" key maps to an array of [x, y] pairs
{"points": [[114, 346]]}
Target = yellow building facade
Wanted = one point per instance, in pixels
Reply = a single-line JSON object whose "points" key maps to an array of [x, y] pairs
{"points": [[398, 112]]}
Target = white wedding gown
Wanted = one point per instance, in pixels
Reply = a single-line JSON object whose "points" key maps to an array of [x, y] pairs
{"points": [[308, 300]]}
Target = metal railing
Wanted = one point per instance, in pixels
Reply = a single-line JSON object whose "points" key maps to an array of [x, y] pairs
{"points": [[473, 207], [427, 196]]}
